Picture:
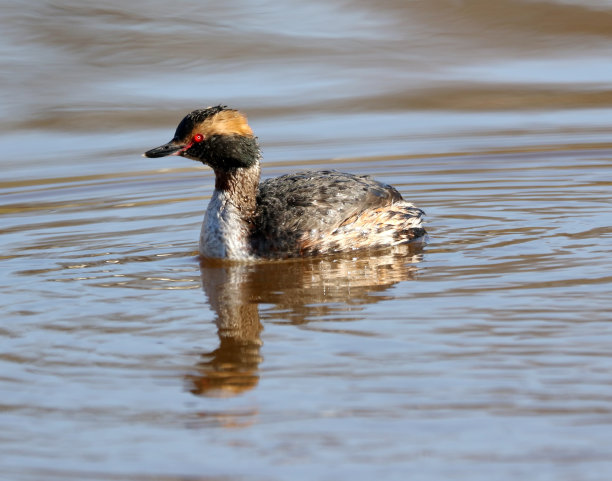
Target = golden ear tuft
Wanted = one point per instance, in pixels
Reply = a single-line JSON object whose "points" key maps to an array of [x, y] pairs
{"points": [[226, 122]]}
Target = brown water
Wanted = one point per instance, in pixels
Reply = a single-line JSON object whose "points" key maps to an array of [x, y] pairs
{"points": [[483, 356]]}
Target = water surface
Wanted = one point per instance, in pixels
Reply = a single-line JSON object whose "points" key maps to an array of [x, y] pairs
{"points": [[483, 355]]}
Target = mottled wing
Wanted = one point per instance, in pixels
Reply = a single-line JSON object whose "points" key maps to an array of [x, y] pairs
{"points": [[313, 203]]}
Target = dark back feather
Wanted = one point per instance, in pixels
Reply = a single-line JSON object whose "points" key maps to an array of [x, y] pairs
{"points": [[315, 202]]}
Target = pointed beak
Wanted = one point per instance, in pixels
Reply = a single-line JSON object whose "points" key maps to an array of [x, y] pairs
{"points": [[171, 148]]}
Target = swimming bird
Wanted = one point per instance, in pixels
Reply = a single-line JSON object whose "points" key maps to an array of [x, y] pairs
{"points": [[301, 214]]}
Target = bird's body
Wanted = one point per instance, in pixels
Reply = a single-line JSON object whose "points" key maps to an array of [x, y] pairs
{"points": [[306, 213]]}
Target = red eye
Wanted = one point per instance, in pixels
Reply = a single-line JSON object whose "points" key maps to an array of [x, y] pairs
{"points": [[198, 138]]}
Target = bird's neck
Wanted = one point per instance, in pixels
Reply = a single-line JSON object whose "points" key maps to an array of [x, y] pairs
{"points": [[239, 187], [229, 220]]}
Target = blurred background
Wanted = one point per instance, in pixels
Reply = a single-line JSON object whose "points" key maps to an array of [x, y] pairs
{"points": [[337, 78], [484, 355]]}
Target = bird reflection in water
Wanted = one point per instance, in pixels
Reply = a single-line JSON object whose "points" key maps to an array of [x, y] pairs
{"points": [[235, 290]]}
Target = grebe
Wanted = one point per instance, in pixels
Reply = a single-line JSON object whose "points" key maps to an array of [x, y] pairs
{"points": [[306, 213]]}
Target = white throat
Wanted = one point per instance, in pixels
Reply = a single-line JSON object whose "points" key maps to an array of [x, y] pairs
{"points": [[224, 233]]}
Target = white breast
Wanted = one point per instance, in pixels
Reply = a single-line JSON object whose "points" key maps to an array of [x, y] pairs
{"points": [[224, 234]]}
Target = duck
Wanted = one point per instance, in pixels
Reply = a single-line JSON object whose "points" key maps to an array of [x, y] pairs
{"points": [[307, 213]]}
